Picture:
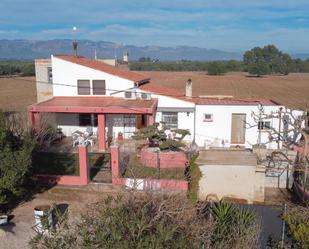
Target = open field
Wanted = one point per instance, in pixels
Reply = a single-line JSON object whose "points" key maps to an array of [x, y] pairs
{"points": [[17, 93], [291, 90]]}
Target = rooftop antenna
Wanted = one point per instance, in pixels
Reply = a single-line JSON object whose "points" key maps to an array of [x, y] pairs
{"points": [[74, 41], [95, 54], [115, 46]]}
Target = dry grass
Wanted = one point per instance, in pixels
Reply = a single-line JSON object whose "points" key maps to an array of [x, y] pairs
{"points": [[17, 93], [291, 90]]}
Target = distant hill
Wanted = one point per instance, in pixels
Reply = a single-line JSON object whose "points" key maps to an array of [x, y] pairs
{"points": [[303, 56], [31, 49]]}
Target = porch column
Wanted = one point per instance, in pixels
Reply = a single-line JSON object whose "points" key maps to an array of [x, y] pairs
{"points": [[34, 120], [101, 132], [83, 164]]}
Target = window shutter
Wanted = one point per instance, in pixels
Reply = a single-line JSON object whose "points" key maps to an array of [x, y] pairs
{"points": [[83, 87], [98, 87]]}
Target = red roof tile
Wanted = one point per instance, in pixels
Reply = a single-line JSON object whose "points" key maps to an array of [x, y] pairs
{"points": [[205, 100], [95, 104], [101, 66]]}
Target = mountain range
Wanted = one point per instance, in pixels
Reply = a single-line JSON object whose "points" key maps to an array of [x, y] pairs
{"points": [[32, 49]]}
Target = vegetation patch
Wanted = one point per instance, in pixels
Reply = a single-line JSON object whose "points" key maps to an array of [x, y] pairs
{"points": [[297, 219], [193, 176], [135, 169], [55, 163], [154, 221]]}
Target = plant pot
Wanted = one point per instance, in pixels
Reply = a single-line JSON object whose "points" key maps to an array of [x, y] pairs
{"points": [[120, 137], [43, 218], [3, 219]]}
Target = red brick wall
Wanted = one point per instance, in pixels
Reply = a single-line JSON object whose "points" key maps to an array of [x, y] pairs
{"points": [[170, 159]]}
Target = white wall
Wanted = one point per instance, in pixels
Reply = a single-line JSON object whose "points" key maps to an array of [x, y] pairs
{"points": [[69, 122], [227, 181], [68, 73], [220, 128]]}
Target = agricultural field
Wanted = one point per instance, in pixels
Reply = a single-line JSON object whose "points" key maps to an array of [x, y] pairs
{"points": [[291, 90], [16, 93]]}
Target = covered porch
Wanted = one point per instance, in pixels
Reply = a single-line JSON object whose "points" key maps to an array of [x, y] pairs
{"points": [[106, 116]]}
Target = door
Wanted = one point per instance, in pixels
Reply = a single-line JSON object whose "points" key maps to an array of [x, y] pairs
{"points": [[129, 123], [238, 131]]}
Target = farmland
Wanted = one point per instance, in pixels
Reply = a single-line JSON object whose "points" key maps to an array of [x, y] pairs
{"points": [[292, 90], [17, 93]]}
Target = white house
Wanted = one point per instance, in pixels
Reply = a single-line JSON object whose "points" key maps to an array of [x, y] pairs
{"points": [[88, 92]]}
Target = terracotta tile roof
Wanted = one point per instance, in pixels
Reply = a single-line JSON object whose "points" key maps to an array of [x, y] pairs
{"points": [[161, 90], [205, 100], [95, 104], [233, 101], [101, 66]]}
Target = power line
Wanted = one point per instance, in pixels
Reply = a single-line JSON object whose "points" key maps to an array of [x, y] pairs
{"points": [[117, 90]]}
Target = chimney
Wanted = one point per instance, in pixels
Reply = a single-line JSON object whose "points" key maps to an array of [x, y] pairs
{"points": [[189, 88], [75, 48], [126, 57]]}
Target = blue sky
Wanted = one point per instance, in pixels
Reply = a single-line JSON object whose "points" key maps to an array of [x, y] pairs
{"points": [[232, 25]]}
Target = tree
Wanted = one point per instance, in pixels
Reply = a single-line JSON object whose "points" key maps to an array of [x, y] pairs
{"points": [[15, 158], [267, 60], [157, 137], [216, 68], [259, 68]]}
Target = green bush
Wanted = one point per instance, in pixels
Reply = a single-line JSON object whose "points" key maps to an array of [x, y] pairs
{"points": [[216, 68], [234, 225], [154, 221], [15, 159], [193, 177], [297, 219]]}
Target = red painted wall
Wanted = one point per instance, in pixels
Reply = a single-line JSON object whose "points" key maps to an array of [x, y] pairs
{"points": [[82, 179], [170, 159], [145, 184]]}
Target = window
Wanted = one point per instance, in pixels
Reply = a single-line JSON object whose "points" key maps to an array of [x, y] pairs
{"points": [[208, 117], [83, 87], [87, 119], [170, 120], [98, 87], [264, 125], [50, 75]]}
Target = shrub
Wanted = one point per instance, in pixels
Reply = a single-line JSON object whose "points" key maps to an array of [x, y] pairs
{"points": [[157, 137], [297, 219], [154, 221], [235, 226], [15, 158]]}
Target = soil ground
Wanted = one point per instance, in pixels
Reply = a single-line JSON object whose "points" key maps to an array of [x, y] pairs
{"points": [[17, 234], [292, 90], [16, 93]]}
